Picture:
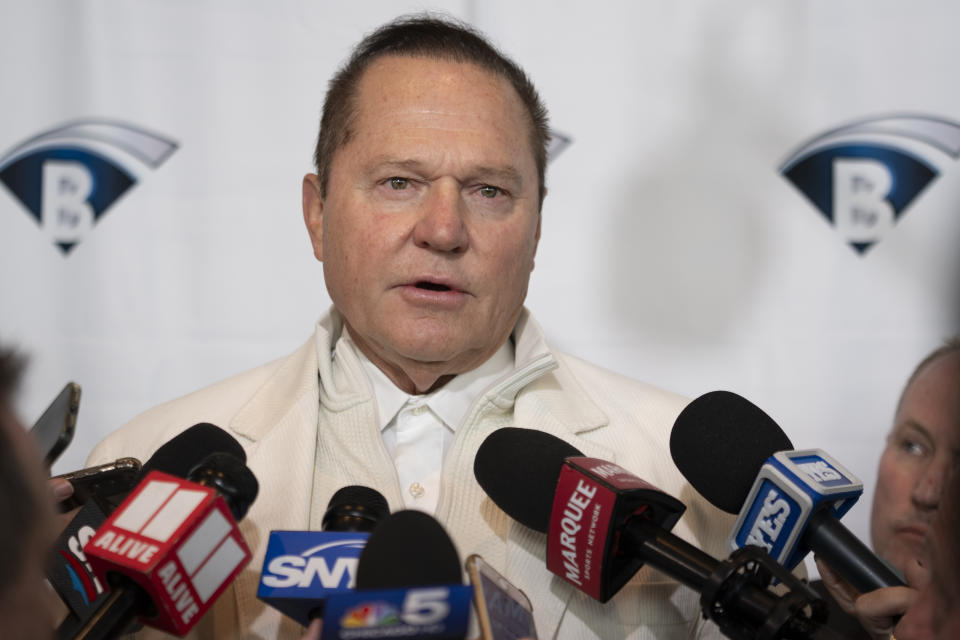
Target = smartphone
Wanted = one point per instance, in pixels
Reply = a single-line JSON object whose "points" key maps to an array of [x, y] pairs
{"points": [[107, 483], [54, 430], [503, 611]]}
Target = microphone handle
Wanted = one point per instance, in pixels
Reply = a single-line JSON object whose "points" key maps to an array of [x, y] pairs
{"points": [[690, 566], [115, 614], [674, 556], [847, 555]]}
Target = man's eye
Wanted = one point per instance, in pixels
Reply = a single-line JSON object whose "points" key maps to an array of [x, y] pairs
{"points": [[489, 192], [913, 448], [399, 184]]}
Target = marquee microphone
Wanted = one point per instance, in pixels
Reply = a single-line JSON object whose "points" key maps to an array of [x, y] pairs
{"points": [[302, 568], [68, 570], [603, 524], [409, 586], [172, 547], [788, 501]]}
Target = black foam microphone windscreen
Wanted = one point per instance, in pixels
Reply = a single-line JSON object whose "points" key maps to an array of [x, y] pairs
{"points": [[719, 442], [503, 462], [408, 549], [184, 451], [355, 508]]}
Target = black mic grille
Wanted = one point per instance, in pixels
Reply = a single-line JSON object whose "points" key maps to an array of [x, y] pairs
{"points": [[518, 469], [719, 442], [408, 549]]}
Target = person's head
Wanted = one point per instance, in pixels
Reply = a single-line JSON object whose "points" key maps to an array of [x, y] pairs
{"points": [[26, 529], [423, 36], [920, 449], [935, 609], [426, 208]]}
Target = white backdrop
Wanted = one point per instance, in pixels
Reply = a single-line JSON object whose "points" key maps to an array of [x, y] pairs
{"points": [[673, 250]]}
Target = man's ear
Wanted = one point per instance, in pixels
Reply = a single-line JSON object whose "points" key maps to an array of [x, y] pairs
{"points": [[536, 237], [313, 212], [536, 242]]}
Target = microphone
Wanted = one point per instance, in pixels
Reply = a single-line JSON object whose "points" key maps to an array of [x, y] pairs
{"points": [[302, 568], [409, 585], [603, 524], [788, 502], [172, 547], [103, 487]]}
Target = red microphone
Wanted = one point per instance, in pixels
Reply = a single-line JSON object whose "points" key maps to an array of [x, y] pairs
{"points": [[172, 547], [591, 500]]}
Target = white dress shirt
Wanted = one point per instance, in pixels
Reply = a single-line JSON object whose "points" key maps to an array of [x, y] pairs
{"points": [[418, 429]]}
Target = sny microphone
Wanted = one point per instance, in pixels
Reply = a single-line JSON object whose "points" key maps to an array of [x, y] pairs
{"points": [[789, 502], [67, 568], [172, 547], [409, 586], [302, 568], [603, 523]]}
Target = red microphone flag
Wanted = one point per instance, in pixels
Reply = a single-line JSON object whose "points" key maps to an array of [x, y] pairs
{"points": [[178, 541], [593, 500]]}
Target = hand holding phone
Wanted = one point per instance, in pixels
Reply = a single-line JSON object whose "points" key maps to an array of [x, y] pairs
{"points": [[104, 482]]}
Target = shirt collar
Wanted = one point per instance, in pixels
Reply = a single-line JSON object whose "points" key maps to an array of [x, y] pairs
{"points": [[451, 401]]}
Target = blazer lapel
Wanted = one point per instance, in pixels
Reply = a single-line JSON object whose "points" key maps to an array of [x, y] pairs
{"points": [[280, 419], [555, 404]]}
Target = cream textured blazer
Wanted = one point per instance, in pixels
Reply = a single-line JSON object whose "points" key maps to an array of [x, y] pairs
{"points": [[308, 433]]}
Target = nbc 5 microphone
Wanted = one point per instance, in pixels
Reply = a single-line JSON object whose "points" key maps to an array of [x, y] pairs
{"points": [[409, 586], [788, 501], [172, 547], [302, 568], [603, 524]]}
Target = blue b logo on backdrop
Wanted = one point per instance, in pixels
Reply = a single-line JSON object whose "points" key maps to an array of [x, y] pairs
{"points": [[863, 176], [69, 176]]}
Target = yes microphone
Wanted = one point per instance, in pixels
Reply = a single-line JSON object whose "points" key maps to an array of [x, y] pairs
{"points": [[172, 547], [409, 586], [302, 568], [603, 524], [788, 502]]}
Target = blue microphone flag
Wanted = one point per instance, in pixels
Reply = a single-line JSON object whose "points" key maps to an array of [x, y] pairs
{"points": [[790, 487]]}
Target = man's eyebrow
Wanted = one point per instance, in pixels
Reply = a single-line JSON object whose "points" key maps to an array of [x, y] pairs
{"points": [[506, 174], [389, 162], [916, 426]]}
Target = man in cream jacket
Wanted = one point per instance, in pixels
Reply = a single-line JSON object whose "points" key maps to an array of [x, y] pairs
{"points": [[425, 212]]}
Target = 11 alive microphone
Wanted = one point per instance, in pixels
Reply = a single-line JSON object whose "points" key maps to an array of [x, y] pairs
{"points": [[788, 501], [409, 586], [67, 569], [172, 547], [302, 568], [603, 524]]}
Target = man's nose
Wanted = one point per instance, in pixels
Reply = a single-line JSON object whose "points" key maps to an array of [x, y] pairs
{"points": [[440, 226], [926, 492]]}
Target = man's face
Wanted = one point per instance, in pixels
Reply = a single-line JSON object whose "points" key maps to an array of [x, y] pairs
{"points": [[920, 450], [934, 614], [430, 222]]}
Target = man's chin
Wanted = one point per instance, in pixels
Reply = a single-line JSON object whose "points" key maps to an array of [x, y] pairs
{"points": [[906, 554]]}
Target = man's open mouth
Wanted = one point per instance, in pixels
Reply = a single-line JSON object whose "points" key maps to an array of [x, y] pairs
{"points": [[432, 286]]}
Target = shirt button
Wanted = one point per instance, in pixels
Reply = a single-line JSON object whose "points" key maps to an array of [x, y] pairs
{"points": [[419, 410], [417, 490]]}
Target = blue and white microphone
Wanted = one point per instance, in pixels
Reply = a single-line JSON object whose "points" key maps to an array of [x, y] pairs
{"points": [[788, 501], [409, 586], [793, 491], [302, 569]]}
